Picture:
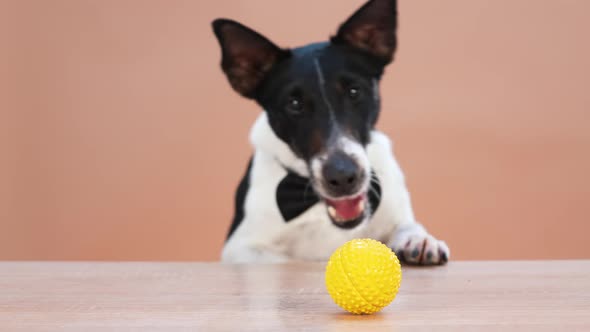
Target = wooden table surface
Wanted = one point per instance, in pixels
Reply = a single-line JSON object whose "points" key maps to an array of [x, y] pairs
{"points": [[462, 296]]}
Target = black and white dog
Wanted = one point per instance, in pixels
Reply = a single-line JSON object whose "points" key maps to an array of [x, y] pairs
{"points": [[321, 174]]}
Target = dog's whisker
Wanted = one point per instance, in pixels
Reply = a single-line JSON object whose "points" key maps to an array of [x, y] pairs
{"points": [[374, 191]]}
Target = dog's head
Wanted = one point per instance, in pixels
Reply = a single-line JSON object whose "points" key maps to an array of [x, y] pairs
{"points": [[321, 99]]}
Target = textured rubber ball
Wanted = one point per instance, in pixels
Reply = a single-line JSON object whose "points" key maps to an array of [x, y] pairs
{"points": [[363, 276]]}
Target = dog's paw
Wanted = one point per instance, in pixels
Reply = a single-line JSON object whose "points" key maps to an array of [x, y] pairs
{"points": [[421, 249]]}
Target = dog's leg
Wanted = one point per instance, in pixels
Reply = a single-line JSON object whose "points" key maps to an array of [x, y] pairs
{"points": [[410, 241]]}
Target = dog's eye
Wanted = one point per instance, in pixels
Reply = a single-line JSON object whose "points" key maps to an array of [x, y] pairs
{"points": [[354, 93], [295, 105]]}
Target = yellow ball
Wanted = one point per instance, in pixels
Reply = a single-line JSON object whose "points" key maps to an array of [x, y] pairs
{"points": [[363, 276]]}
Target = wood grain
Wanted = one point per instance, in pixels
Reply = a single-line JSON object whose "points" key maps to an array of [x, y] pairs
{"points": [[463, 296]]}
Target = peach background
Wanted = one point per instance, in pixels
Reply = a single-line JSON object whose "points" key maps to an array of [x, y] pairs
{"points": [[121, 140]]}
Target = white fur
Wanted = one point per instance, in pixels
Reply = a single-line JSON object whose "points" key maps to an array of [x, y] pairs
{"points": [[263, 235]]}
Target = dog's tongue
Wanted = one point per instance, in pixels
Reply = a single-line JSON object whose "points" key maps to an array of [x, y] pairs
{"points": [[347, 208]]}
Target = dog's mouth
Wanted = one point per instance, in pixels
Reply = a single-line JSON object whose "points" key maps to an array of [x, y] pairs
{"points": [[347, 212]]}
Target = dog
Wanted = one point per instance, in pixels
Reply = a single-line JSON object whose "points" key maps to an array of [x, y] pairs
{"points": [[320, 174]]}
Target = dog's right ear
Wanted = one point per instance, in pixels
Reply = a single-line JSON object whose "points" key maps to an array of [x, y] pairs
{"points": [[247, 56]]}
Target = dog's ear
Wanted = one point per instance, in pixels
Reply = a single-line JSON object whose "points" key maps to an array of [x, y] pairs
{"points": [[371, 29], [247, 56]]}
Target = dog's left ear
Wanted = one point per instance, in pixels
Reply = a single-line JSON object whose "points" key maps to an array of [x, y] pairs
{"points": [[371, 29]]}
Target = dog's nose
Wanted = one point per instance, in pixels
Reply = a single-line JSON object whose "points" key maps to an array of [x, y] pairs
{"points": [[341, 174]]}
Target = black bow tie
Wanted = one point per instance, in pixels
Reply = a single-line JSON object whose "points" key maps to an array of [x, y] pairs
{"points": [[295, 195]]}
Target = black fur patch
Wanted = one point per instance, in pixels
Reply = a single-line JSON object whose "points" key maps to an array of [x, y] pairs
{"points": [[240, 198], [294, 196]]}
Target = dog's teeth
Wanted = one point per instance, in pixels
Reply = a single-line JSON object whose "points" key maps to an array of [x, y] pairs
{"points": [[332, 212], [361, 206]]}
